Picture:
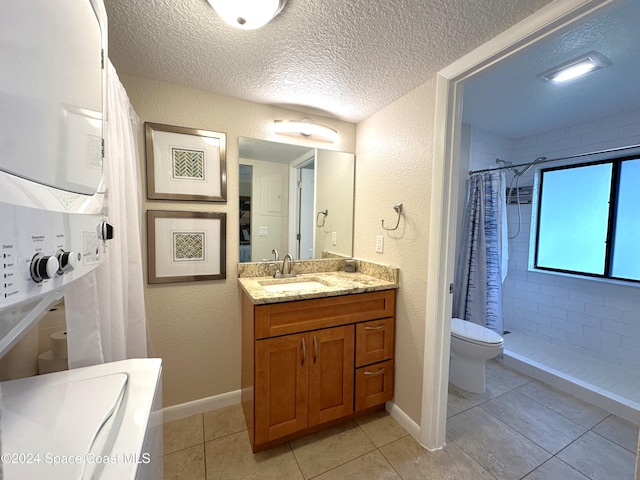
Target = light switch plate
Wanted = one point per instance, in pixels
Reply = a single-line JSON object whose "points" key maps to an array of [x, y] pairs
{"points": [[379, 243], [263, 231]]}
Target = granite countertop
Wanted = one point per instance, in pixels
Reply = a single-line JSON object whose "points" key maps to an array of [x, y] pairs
{"points": [[334, 283]]}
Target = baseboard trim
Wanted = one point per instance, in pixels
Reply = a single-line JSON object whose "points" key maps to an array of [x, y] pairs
{"points": [[403, 419], [183, 410], [176, 412]]}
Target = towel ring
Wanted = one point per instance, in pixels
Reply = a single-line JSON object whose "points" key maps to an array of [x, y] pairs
{"points": [[324, 218], [398, 209]]}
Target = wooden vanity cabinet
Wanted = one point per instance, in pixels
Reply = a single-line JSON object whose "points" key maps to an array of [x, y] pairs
{"points": [[308, 363], [302, 380]]}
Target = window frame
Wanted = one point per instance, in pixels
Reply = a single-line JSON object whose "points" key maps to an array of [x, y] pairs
{"points": [[614, 187]]}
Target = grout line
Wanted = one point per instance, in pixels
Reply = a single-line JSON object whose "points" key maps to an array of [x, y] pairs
{"points": [[474, 458], [204, 446], [564, 463], [389, 461], [523, 434], [479, 405], [595, 394], [553, 455], [295, 459], [342, 464], [613, 441], [560, 413]]}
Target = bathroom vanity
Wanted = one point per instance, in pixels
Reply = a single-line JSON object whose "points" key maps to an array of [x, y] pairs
{"points": [[316, 349]]}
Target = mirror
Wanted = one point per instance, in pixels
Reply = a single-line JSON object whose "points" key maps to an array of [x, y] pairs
{"points": [[296, 200]]}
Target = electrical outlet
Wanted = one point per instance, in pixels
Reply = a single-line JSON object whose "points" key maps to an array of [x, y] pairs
{"points": [[334, 238], [263, 231], [379, 243]]}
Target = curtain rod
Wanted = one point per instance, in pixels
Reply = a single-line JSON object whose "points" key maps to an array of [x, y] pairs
{"points": [[597, 152]]}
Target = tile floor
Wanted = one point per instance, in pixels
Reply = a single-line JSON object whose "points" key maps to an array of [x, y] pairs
{"points": [[519, 429], [609, 386]]}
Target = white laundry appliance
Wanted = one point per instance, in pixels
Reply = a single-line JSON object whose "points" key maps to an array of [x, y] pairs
{"points": [[99, 422]]}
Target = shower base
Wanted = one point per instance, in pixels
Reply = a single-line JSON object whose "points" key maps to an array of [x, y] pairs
{"points": [[611, 387]]}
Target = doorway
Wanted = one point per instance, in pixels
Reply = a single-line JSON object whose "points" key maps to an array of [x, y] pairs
{"points": [[305, 193], [246, 189], [556, 18]]}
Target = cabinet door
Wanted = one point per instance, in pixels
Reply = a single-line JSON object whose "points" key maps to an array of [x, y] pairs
{"points": [[281, 386], [331, 370]]}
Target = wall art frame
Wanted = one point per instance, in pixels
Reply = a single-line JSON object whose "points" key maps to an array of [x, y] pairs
{"points": [[185, 163], [186, 246]]}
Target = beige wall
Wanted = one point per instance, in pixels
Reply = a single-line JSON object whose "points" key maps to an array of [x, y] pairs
{"points": [[394, 161], [334, 192], [195, 327]]}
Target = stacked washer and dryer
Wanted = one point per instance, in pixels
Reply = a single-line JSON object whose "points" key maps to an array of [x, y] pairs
{"points": [[99, 422]]}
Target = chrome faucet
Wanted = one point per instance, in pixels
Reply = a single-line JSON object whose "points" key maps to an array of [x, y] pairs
{"points": [[275, 255], [286, 265]]}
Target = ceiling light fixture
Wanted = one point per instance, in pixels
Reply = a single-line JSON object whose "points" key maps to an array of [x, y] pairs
{"points": [[577, 67], [307, 128], [247, 14]]}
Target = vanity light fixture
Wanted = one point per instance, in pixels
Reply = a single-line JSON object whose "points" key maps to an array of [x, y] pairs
{"points": [[247, 14], [307, 128], [577, 67]]}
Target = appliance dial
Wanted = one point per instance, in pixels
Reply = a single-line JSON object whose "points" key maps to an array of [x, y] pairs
{"points": [[67, 261], [43, 267], [105, 231]]}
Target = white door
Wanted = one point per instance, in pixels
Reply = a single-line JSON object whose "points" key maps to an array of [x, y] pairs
{"points": [[306, 216]]}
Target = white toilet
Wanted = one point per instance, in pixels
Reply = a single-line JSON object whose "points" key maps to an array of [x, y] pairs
{"points": [[471, 346]]}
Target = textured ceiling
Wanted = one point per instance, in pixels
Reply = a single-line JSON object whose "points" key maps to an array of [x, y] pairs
{"points": [[341, 58], [511, 99]]}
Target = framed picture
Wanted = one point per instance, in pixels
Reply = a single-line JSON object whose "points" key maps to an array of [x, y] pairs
{"points": [[186, 246], [185, 164]]}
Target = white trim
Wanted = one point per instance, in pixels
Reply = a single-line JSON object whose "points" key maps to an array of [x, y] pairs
{"points": [[403, 419], [183, 410], [294, 197], [439, 275], [552, 19], [612, 403]]}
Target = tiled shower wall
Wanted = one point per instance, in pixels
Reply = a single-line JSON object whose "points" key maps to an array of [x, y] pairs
{"points": [[598, 318]]}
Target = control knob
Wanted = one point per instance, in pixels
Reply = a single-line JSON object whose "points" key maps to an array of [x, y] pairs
{"points": [[105, 231], [43, 267], [67, 261]]}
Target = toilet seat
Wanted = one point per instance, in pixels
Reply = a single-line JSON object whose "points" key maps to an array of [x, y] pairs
{"points": [[474, 333]]}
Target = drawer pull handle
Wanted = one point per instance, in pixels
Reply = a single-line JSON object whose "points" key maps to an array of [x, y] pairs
{"points": [[315, 346], [304, 352], [379, 327], [379, 372]]}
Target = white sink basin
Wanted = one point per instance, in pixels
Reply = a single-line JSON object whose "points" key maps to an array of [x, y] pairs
{"points": [[293, 286]]}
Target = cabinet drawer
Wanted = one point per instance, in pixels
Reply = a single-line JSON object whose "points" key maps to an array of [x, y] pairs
{"points": [[292, 317], [374, 385], [374, 341]]}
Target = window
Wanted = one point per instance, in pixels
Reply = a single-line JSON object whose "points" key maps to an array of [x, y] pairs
{"points": [[589, 219]]}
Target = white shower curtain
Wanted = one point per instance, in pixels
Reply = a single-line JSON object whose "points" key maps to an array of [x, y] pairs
{"points": [[105, 309], [480, 269]]}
